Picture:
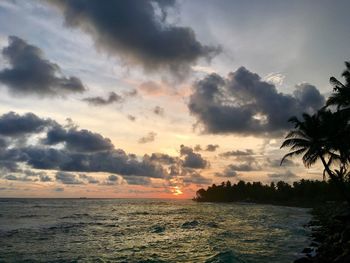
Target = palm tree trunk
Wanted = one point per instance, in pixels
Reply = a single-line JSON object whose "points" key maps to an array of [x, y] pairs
{"points": [[340, 184], [326, 167]]}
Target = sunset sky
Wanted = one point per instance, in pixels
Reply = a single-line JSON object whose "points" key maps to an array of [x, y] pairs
{"points": [[159, 98]]}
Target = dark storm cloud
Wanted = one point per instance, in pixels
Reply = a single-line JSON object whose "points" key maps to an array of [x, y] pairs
{"points": [[32, 74], [158, 111], [13, 124], [150, 137], [236, 153], [244, 104], [78, 140], [192, 159], [67, 178], [286, 176], [133, 30], [112, 161], [99, 101]]}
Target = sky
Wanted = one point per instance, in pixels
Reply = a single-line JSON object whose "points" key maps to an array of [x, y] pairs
{"points": [[156, 99]]}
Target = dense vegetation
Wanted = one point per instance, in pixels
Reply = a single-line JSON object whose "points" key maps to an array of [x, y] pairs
{"points": [[302, 193]]}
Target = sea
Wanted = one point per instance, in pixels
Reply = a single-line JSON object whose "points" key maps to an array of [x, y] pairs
{"points": [[149, 230]]}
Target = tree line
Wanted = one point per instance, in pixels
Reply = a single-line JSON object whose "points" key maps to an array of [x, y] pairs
{"points": [[301, 193]]}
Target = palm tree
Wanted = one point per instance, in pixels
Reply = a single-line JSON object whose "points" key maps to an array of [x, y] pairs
{"points": [[308, 139], [323, 136], [341, 94]]}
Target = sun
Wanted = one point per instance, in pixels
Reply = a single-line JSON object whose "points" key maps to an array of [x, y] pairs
{"points": [[177, 191]]}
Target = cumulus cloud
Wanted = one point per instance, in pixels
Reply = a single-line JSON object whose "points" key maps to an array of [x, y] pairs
{"points": [[229, 171], [13, 124], [246, 166], [67, 178], [77, 140], [90, 179], [244, 104], [136, 32], [99, 101], [114, 180], [150, 137], [137, 180], [32, 74], [192, 159], [162, 158], [67, 149], [211, 147]]}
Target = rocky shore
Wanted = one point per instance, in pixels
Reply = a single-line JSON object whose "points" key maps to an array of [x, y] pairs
{"points": [[330, 235]]}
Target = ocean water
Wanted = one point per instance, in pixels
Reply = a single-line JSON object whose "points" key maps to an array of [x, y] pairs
{"points": [[135, 230]]}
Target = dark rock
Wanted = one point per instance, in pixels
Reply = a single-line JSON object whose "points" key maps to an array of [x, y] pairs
{"points": [[307, 250], [190, 224], [157, 229], [212, 224]]}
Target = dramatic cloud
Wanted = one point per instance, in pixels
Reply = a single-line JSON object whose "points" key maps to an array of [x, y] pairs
{"points": [[192, 159], [99, 101], [12, 124], [32, 74], [150, 137], [66, 149], [158, 111], [137, 31], [244, 104], [236, 153], [78, 140]]}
